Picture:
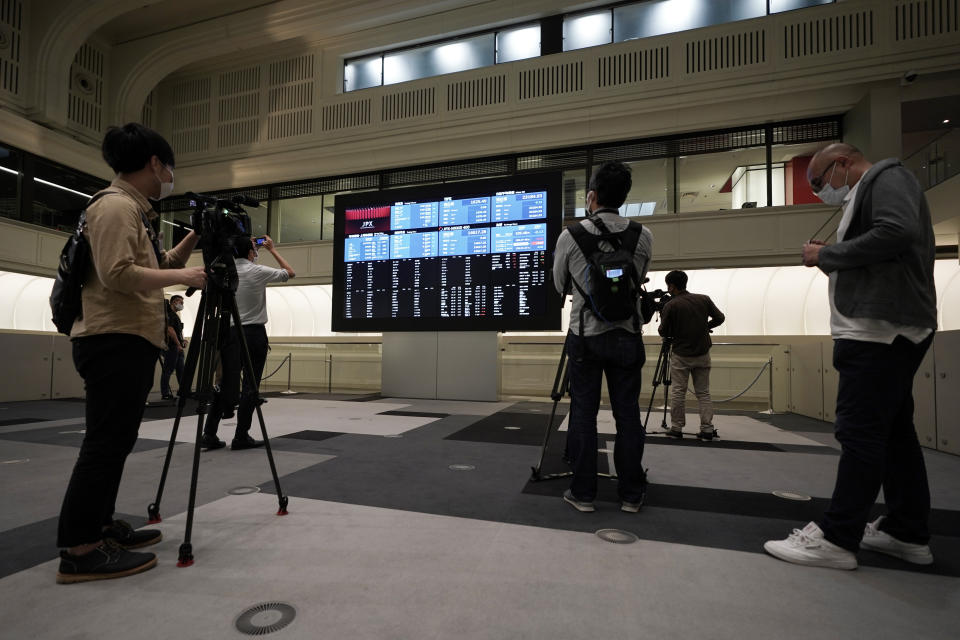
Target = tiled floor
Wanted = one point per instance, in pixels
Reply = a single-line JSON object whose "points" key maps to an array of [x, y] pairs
{"points": [[385, 540]]}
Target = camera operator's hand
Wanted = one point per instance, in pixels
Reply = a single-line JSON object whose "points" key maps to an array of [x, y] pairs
{"points": [[194, 277], [268, 243]]}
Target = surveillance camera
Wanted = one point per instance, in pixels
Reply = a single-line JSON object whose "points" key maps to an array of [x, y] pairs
{"points": [[908, 78]]}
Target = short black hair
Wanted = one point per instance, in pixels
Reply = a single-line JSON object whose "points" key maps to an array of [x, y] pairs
{"points": [[612, 182], [242, 246], [130, 147], [677, 279], [176, 297]]}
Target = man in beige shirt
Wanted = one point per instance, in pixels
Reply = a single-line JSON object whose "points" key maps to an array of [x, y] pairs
{"points": [[115, 347]]}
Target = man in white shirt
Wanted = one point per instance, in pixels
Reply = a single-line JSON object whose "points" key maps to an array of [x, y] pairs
{"points": [[882, 317], [251, 299]]}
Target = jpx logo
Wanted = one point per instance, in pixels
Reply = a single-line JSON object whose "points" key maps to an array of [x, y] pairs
{"points": [[367, 224]]}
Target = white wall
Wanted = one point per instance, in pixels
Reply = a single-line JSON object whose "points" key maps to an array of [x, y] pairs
{"points": [[757, 301]]}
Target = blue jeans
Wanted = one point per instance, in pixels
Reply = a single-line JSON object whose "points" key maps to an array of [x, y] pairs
{"points": [[880, 447], [619, 354]]}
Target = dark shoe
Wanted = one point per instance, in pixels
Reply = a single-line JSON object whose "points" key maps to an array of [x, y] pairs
{"points": [[245, 442], [211, 442], [105, 562], [168, 396], [707, 436], [670, 433], [124, 535], [579, 505]]}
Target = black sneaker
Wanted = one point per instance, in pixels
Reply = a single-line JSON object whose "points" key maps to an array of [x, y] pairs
{"points": [[124, 535], [106, 561], [211, 442], [245, 442], [707, 436]]}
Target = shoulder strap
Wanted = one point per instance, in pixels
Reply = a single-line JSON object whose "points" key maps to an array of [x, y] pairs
{"points": [[588, 242]]}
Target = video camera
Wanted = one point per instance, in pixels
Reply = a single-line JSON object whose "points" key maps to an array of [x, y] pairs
{"points": [[219, 221], [658, 297]]}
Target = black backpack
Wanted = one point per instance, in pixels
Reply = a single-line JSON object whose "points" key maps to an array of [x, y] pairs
{"points": [[611, 282], [66, 300]]}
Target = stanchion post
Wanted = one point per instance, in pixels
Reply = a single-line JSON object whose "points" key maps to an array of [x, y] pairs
{"points": [[330, 373], [289, 391]]}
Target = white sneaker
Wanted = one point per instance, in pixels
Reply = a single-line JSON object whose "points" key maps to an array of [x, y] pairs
{"points": [[809, 547], [877, 540]]}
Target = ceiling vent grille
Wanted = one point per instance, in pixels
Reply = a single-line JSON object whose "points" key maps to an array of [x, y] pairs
{"points": [[633, 67], [479, 92], [731, 51], [442, 173], [85, 106], [290, 98], [553, 80], [415, 103], [190, 115], [238, 107], [926, 19], [346, 115], [554, 160], [854, 30], [329, 185], [11, 34]]}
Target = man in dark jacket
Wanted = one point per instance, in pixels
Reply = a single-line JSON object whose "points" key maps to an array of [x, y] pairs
{"points": [[686, 320], [882, 317]]}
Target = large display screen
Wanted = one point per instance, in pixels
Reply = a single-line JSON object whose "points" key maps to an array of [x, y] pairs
{"points": [[462, 256]]}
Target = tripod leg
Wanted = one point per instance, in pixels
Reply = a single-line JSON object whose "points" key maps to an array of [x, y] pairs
{"points": [[248, 371], [193, 356], [560, 382], [186, 549]]}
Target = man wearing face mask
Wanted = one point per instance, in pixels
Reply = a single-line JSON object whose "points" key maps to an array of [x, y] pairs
{"points": [[882, 318], [173, 356], [252, 304]]}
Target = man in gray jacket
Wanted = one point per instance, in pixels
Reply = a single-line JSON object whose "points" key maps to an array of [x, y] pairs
{"points": [[882, 317]]}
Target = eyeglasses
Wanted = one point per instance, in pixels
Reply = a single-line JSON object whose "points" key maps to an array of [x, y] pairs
{"points": [[817, 183]]}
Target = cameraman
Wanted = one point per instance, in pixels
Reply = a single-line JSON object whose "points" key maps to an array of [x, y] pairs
{"points": [[252, 304], [115, 347], [687, 319], [600, 347]]}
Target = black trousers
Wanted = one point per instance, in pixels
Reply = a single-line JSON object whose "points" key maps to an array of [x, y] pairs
{"points": [[172, 361], [880, 447], [231, 361], [117, 371], [620, 355]]}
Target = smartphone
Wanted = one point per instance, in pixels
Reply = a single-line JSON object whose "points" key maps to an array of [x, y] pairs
{"points": [[260, 240]]}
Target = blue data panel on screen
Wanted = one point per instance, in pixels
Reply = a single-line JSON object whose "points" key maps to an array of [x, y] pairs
{"points": [[511, 207], [468, 211], [366, 248], [413, 216], [413, 245], [464, 242], [521, 237]]}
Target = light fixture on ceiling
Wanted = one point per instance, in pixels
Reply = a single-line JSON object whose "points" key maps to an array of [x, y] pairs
{"points": [[946, 121]]}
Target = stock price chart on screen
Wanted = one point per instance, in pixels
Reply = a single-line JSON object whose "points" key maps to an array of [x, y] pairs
{"points": [[447, 260]]}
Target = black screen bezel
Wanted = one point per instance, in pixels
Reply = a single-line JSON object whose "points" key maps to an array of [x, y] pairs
{"points": [[551, 182]]}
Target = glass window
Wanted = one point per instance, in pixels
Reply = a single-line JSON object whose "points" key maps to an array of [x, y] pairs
{"points": [[656, 18], [574, 193], [705, 182], [795, 158], [587, 30], [434, 60], [776, 6], [518, 44], [60, 194], [300, 219], [650, 193], [363, 73], [9, 183]]}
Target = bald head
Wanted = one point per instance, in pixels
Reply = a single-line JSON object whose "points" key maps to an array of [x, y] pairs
{"points": [[836, 164]]}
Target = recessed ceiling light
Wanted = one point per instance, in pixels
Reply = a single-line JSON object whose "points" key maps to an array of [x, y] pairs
{"points": [[713, 186], [946, 121]]}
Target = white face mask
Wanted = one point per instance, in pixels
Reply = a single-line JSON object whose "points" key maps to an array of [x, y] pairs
{"points": [[166, 188], [831, 196]]}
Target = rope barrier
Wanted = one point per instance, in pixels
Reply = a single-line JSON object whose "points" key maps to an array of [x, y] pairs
{"points": [[282, 362], [749, 386]]}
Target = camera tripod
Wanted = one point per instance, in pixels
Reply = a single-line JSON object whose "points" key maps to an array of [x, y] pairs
{"points": [[561, 385], [661, 375], [217, 304]]}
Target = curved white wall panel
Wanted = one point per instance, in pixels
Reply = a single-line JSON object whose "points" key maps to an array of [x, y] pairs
{"points": [[757, 301]]}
